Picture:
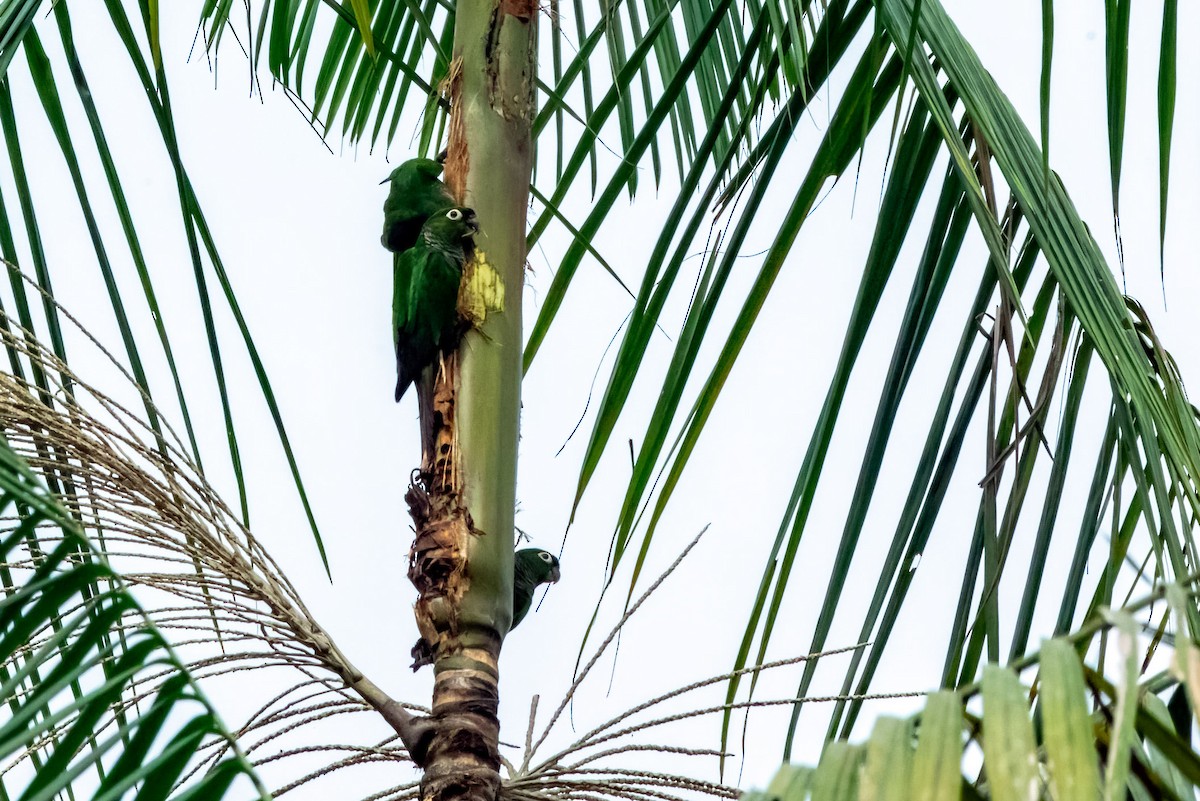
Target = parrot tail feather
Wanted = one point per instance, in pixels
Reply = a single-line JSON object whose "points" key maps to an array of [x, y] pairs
{"points": [[403, 381]]}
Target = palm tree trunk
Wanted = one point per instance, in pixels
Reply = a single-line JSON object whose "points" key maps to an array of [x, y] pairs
{"points": [[462, 557]]}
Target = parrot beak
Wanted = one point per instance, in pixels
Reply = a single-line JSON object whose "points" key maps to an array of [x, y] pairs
{"points": [[441, 157], [471, 222], [555, 574]]}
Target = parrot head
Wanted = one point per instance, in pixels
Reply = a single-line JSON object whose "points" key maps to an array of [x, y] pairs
{"points": [[450, 225], [541, 566], [412, 169]]}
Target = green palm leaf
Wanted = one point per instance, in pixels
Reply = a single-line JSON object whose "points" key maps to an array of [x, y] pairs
{"points": [[1061, 737], [75, 651], [39, 219]]}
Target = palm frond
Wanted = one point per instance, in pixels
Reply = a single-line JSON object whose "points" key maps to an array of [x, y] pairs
{"points": [[235, 621], [98, 703], [1070, 733], [16, 18], [50, 78], [371, 62]]}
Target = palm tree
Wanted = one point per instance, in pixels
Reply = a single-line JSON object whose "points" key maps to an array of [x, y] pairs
{"points": [[709, 96]]}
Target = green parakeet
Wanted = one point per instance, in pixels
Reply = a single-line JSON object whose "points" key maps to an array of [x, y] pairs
{"points": [[531, 567], [425, 320], [416, 194]]}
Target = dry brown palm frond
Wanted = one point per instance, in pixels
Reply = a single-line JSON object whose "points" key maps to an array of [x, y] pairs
{"points": [[201, 576]]}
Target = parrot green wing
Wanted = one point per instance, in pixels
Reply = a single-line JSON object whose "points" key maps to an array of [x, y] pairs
{"points": [[426, 277], [425, 311], [531, 567], [416, 194], [402, 269]]}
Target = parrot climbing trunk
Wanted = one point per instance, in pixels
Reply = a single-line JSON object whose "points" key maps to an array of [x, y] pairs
{"points": [[531, 568], [426, 323], [463, 504], [415, 193]]}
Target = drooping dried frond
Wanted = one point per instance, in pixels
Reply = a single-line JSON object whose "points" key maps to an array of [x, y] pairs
{"points": [[57, 693], [205, 581]]}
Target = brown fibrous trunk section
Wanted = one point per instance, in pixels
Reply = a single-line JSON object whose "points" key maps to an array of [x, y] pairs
{"points": [[462, 760], [437, 560]]}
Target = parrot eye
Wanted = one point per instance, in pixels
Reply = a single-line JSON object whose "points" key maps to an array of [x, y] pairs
{"points": [[546, 557], [454, 214]]}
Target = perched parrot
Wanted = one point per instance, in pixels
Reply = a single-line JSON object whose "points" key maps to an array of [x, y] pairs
{"points": [[531, 567], [416, 194], [425, 319]]}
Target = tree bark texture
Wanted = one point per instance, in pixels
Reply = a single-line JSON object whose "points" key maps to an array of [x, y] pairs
{"points": [[463, 504]]}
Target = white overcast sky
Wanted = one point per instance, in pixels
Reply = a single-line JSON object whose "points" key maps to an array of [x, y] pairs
{"points": [[298, 229]]}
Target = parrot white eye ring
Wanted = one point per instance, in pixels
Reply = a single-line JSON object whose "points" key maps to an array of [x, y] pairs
{"points": [[546, 557], [454, 214]]}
